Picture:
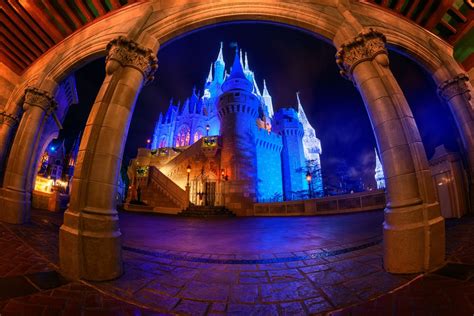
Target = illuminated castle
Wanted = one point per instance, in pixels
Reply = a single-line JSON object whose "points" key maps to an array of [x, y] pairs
{"points": [[379, 176], [264, 155]]}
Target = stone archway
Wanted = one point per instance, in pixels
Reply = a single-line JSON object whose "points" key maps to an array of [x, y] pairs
{"points": [[414, 239]]}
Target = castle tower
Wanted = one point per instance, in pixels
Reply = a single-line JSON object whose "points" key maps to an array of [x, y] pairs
{"points": [[238, 112], [267, 99], [379, 176], [293, 162]]}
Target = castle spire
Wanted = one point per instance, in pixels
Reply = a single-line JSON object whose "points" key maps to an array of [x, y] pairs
{"points": [[220, 57], [209, 77], [241, 60], [246, 67], [265, 90]]}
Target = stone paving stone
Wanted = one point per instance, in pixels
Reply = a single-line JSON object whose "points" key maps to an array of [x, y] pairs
{"points": [[327, 277], [156, 300], [188, 307], [214, 276], [131, 281], [253, 277], [317, 305], [294, 308], [272, 266], [290, 291], [159, 287], [251, 310], [218, 307], [205, 291], [315, 268], [285, 275], [244, 293], [295, 264], [339, 295]]}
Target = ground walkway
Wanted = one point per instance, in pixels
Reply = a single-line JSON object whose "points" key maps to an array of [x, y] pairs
{"points": [[242, 266]]}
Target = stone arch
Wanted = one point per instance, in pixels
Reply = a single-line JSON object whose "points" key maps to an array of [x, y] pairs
{"points": [[147, 23]]}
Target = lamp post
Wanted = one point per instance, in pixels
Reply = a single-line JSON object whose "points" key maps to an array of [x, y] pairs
{"points": [[225, 178], [188, 170], [207, 129], [308, 178]]}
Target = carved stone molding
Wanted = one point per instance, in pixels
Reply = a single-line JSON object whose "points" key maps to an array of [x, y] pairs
{"points": [[453, 87], [128, 53], [8, 119], [39, 98], [365, 46]]}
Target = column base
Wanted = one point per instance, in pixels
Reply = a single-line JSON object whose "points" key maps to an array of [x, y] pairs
{"points": [[90, 245], [15, 206], [414, 239]]}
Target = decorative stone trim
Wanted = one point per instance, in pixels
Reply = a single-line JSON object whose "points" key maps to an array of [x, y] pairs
{"points": [[129, 53], [453, 87], [365, 46], [40, 98], [8, 119]]}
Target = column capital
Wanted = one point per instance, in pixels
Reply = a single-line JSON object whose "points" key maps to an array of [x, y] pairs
{"points": [[453, 87], [39, 98], [8, 119], [367, 45], [129, 53]]}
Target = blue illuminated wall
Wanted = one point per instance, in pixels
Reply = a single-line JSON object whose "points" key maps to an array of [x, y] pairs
{"points": [[269, 176]]}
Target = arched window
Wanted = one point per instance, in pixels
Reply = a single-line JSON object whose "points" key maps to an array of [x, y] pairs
{"points": [[163, 142], [183, 137], [197, 135]]}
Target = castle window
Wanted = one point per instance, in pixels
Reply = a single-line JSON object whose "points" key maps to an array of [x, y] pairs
{"points": [[197, 136], [237, 94], [184, 136]]}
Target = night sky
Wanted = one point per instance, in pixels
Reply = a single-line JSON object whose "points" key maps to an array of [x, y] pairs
{"points": [[290, 61]]}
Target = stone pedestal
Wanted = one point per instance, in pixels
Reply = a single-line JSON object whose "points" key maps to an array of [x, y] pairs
{"points": [[15, 200], [414, 238], [456, 92], [90, 238]]}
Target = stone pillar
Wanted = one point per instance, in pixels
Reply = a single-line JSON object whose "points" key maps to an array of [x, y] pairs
{"points": [[8, 123], [456, 93], [90, 238], [414, 236], [15, 195]]}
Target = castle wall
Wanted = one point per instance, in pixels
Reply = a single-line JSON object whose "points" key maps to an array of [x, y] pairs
{"points": [[269, 172]]}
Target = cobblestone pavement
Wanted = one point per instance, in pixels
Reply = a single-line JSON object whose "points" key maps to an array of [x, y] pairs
{"points": [[344, 278]]}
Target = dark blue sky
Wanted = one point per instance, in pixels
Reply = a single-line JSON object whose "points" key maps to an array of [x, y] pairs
{"points": [[290, 61]]}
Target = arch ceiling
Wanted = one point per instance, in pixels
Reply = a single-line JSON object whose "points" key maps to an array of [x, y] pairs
{"points": [[30, 28]]}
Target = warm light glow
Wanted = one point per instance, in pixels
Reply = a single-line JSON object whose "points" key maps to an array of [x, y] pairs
{"points": [[308, 177], [188, 169], [43, 184], [148, 141]]}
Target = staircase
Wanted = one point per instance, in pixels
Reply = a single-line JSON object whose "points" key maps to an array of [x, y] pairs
{"points": [[162, 192], [206, 211]]}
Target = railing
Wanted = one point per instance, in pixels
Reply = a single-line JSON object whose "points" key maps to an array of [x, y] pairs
{"points": [[356, 202], [168, 187]]}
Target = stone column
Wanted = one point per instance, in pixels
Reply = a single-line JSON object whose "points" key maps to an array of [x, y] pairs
{"points": [[15, 200], [457, 94], [90, 238], [8, 123], [414, 237]]}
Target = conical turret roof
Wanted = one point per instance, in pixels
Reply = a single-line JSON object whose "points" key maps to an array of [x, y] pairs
{"points": [[237, 79]]}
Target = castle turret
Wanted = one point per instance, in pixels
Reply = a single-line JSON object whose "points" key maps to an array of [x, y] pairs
{"points": [[238, 112], [219, 67], [287, 124]]}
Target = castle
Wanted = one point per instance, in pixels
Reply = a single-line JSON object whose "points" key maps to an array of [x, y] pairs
{"points": [[229, 143]]}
